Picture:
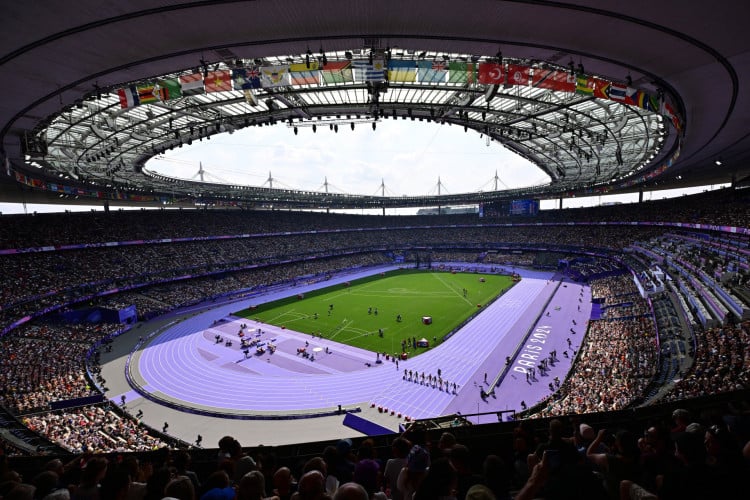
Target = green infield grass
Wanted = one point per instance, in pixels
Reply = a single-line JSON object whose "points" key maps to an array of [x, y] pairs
{"points": [[365, 313]]}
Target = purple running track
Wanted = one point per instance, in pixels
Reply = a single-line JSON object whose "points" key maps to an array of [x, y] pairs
{"points": [[185, 363]]}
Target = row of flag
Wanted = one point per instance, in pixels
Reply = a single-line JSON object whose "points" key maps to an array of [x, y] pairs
{"points": [[378, 70], [79, 191]]}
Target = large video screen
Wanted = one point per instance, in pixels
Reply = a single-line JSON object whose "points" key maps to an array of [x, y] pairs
{"points": [[524, 207]]}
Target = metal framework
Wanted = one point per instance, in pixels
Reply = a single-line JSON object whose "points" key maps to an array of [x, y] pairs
{"points": [[578, 140]]}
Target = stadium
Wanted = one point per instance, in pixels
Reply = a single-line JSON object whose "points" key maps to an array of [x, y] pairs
{"points": [[267, 326]]}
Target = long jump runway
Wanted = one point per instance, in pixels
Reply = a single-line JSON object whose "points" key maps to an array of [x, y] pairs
{"points": [[184, 363]]}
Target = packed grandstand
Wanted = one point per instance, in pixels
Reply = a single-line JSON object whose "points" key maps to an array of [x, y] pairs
{"points": [[668, 277], [140, 357]]}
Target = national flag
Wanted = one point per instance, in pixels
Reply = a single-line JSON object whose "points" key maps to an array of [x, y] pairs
{"points": [[169, 89], [621, 93], [431, 71], [218, 81], [302, 67], [400, 70], [337, 72], [584, 85], [646, 101], [553, 79], [666, 110], [128, 97], [518, 75], [304, 73], [366, 71], [491, 73], [274, 76], [146, 93], [305, 77], [246, 78], [251, 98], [462, 72], [601, 88], [192, 84]]}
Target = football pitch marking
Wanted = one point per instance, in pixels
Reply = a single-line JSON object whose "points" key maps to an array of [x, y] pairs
{"points": [[340, 328], [293, 316], [441, 280]]}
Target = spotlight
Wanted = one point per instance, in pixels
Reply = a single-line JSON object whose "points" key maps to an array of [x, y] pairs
{"points": [[718, 162]]}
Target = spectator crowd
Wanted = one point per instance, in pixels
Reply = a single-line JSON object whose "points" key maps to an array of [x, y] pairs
{"points": [[42, 361]]}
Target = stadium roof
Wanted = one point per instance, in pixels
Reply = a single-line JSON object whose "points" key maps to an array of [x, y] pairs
{"points": [[635, 96]]}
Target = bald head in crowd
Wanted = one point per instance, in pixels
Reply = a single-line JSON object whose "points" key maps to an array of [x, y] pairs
{"points": [[311, 486], [351, 491], [282, 480]]}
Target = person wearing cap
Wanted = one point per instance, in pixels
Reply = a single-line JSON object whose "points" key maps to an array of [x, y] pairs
{"points": [[412, 475]]}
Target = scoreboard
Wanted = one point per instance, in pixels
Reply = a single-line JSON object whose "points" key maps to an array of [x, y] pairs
{"points": [[524, 207]]}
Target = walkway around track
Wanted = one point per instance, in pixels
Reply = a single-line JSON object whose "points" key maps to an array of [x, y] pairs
{"points": [[212, 376]]}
